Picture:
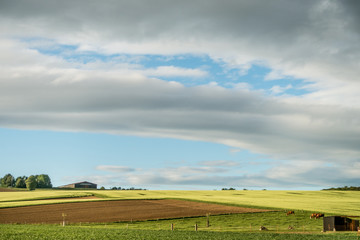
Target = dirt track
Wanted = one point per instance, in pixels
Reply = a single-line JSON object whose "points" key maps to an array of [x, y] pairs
{"points": [[112, 211]]}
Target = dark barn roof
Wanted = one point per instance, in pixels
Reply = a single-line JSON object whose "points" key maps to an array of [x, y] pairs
{"points": [[83, 184]]}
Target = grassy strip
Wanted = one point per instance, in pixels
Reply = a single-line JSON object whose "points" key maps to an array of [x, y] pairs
{"points": [[51, 198], [244, 222], [27, 232], [39, 195]]}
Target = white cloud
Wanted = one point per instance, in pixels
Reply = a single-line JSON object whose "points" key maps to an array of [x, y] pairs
{"points": [[274, 75], [219, 163], [278, 89], [172, 71], [242, 86], [280, 175], [235, 150], [111, 168], [45, 92], [318, 40]]}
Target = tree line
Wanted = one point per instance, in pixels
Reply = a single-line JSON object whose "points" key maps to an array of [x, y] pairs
{"points": [[31, 183], [346, 188]]}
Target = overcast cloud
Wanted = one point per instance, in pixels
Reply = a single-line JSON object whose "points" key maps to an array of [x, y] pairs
{"points": [[315, 41]]}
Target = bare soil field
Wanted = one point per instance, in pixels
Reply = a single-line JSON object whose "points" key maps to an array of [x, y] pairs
{"points": [[112, 211], [8, 190]]}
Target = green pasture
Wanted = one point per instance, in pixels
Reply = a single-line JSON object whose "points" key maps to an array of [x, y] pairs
{"points": [[276, 221], [331, 202], [29, 232]]}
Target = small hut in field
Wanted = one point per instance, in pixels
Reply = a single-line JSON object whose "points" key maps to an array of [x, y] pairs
{"points": [[340, 223]]}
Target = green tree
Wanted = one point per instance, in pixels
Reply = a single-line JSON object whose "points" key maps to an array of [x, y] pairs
{"points": [[20, 182], [8, 180], [43, 181], [31, 183]]}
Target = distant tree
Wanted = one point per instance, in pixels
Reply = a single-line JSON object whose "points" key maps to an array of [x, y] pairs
{"points": [[31, 183], [114, 188], [102, 188], [36, 176], [20, 182], [43, 181], [345, 188], [8, 180]]}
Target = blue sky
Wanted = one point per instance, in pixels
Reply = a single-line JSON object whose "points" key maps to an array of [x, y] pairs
{"points": [[56, 153], [213, 70], [241, 94]]}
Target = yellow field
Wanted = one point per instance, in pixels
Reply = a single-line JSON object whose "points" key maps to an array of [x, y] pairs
{"points": [[335, 202]]}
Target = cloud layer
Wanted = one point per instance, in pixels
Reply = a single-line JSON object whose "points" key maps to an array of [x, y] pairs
{"points": [[52, 96], [294, 174], [315, 41]]}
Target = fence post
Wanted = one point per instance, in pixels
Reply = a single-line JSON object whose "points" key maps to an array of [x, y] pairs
{"points": [[172, 227], [196, 227], [208, 220], [64, 215]]}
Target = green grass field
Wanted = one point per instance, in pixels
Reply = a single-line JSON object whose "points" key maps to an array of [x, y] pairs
{"points": [[245, 222], [30, 232], [232, 226]]}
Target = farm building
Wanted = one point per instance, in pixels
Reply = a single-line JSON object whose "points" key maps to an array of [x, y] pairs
{"points": [[80, 185], [340, 223]]}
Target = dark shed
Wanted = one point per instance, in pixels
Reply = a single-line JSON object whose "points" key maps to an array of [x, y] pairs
{"points": [[340, 223], [81, 185]]}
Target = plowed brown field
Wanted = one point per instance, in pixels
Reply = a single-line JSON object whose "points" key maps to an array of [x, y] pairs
{"points": [[8, 190], [112, 211]]}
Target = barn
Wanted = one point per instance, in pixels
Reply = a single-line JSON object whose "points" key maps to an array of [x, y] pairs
{"points": [[80, 185], [340, 223]]}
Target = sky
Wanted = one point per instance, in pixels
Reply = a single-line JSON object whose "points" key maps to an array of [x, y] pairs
{"points": [[181, 94]]}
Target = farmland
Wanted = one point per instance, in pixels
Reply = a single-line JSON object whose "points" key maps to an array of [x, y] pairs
{"points": [[334, 202], [111, 211], [227, 225]]}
